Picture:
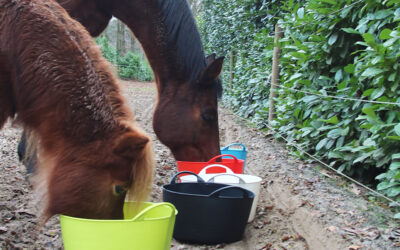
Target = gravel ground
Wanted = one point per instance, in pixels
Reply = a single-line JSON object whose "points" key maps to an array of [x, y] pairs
{"points": [[301, 206]]}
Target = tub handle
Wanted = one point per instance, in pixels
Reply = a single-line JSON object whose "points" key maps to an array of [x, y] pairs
{"points": [[235, 144], [141, 215], [218, 191], [199, 179], [241, 181], [228, 170], [214, 159]]}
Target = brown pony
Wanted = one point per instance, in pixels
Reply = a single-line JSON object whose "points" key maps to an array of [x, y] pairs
{"points": [[54, 81], [186, 116]]}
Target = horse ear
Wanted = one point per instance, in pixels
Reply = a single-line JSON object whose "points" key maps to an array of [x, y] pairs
{"points": [[210, 58], [212, 71], [130, 145]]}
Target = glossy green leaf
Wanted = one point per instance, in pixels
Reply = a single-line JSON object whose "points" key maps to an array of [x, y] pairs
{"points": [[397, 129], [385, 34], [333, 38], [333, 120], [321, 144], [369, 112], [350, 30], [368, 38], [394, 165], [372, 71]]}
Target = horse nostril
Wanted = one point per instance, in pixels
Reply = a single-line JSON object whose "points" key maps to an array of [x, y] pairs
{"points": [[118, 190]]}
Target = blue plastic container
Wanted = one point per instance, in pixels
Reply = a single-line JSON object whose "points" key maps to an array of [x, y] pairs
{"points": [[236, 149]]}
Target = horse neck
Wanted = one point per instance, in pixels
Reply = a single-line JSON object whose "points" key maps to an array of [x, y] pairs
{"points": [[168, 34]]}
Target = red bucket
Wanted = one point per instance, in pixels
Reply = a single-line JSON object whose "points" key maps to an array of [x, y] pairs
{"points": [[235, 164]]}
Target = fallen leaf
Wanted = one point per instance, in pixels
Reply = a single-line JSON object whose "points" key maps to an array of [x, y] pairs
{"points": [[325, 174], [316, 213], [267, 246], [370, 233], [24, 211], [269, 207], [332, 229], [303, 203], [309, 182], [341, 211], [350, 231], [348, 223], [166, 167], [300, 237], [355, 189], [258, 225], [267, 222]]}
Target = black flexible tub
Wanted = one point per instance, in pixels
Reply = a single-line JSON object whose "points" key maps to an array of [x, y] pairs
{"points": [[208, 213]]}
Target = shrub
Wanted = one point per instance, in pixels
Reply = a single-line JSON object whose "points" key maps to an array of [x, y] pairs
{"points": [[131, 66]]}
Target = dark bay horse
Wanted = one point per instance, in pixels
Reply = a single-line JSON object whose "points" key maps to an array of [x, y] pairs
{"points": [[186, 117], [54, 81]]}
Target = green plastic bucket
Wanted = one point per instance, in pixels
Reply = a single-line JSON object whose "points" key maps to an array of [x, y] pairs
{"points": [[146, 226]]}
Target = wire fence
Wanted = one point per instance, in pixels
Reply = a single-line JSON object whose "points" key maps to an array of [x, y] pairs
{"points": [[325, 94], [316, 159], [335, 97], [304, 152]]}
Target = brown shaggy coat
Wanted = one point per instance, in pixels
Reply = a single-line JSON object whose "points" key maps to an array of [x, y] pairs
{"points": [[54, 81]]}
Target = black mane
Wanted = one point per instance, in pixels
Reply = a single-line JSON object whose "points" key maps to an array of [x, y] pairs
{"points": [[182, 36]]}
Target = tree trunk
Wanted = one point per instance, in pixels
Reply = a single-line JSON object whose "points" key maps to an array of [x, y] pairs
{"points": [[231, 67], [121, 38], [275, 74], [133, 42]]}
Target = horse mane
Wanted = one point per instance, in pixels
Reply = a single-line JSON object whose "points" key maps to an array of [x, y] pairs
{"points": [[142, 176], [183, 36], [181, 39]]}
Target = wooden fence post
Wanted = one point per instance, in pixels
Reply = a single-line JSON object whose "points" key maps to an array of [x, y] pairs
{"points": [[275, 73], [231, 62]]}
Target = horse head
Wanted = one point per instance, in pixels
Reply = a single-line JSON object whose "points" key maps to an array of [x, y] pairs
{"points": [[93, 181], [186, 115]]}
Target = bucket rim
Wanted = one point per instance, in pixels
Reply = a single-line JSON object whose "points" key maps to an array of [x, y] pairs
{"points": [[251, 195], [244, 176], [213, 160], [227, 148], [72, 218]]}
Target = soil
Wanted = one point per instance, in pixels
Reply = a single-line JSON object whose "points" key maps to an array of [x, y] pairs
{"points": [[301, 205]]}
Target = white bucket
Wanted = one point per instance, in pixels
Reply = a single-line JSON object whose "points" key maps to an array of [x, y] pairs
{"points": [[250, 182]]}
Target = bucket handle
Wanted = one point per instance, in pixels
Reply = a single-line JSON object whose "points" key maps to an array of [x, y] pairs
{"points": [[214, 159], [228, 170], [140, 216], [218, 191], [235, 144], [199, 179], [241, 181]]}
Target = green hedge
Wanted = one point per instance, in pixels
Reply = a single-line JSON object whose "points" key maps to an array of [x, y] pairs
{"points": [[330, 48], [241, 29]]}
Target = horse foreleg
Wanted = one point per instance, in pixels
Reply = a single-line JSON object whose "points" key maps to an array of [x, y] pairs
{"points": [[27, 152], [7, 105]]}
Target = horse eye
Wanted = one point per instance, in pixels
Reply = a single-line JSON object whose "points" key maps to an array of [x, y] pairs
{"points": [[118, 190]]}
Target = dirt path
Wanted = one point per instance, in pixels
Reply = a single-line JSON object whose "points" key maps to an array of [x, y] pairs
{"points": [[301, 206]]}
